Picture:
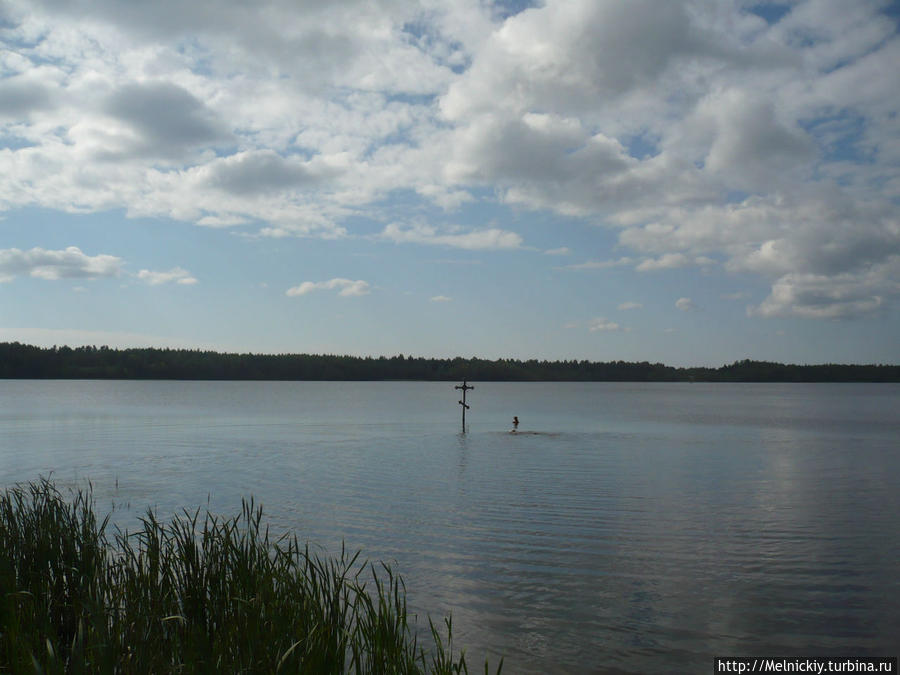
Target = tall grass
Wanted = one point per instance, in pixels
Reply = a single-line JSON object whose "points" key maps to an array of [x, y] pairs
{"points": [[198, 594]]}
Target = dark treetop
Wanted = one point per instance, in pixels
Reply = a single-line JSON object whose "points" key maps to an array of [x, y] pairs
{"points": [[25, 361]]}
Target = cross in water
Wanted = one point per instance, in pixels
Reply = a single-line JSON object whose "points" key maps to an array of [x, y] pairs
{"points": [[464, 388]]}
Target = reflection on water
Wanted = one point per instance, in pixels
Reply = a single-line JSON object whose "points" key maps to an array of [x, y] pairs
{"points": [[638, 528]]}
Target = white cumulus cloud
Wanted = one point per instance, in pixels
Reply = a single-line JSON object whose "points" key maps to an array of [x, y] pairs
{"points": [[600, 324], [685, 304], [345, 287], [70, 263], [486, 239], [814, 296], [601, 264], [176, 274]]}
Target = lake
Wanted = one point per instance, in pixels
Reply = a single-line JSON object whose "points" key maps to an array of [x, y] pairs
{"points": [[625, 528]]}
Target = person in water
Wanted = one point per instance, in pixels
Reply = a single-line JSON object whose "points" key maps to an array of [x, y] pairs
{"points": [[515, 423]]}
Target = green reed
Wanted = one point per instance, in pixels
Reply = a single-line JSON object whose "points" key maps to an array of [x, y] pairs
{"points": [[198, 594]]}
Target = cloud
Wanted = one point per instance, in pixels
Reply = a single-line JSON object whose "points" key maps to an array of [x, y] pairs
{"points": [[665, 262], [563, 250], [603, 325], [704, 137], [749, 115], [345, 287], [176, 274], [625, 306], [559, 53], [441, 298], [265, 171], [601, 264], [825, 235], [162, 120], [473, 240], [351, 44], [20, 96], [686, 305], [751, 148], [70, 263], [816, 296], [669, 261], [544, 161], [572, 156]]}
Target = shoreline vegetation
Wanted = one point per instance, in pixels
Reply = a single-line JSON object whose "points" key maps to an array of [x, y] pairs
{"points": [[19, 361], [200, 594]]}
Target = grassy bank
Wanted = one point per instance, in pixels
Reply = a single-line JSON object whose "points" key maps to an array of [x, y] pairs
{"points": [[198, 594]]}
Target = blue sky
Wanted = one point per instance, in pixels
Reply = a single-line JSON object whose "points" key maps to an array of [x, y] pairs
{"points": [[692, 182]]}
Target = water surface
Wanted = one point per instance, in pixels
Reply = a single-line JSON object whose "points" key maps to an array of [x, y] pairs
{"points": [[627, 527]]}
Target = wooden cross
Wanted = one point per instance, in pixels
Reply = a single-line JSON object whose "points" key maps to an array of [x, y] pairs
{"points": [[464, 388]]}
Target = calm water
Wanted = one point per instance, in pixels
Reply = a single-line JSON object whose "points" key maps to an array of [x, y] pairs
{"points": [[643, 528]]}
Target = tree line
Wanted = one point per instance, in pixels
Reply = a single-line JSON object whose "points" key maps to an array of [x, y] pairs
{"points": [[30, 362]]}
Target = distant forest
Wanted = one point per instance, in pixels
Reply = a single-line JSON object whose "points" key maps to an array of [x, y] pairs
{"points": [[26, 361]]}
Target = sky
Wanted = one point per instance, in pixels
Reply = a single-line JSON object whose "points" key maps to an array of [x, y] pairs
{"points": [[691, 182]]}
